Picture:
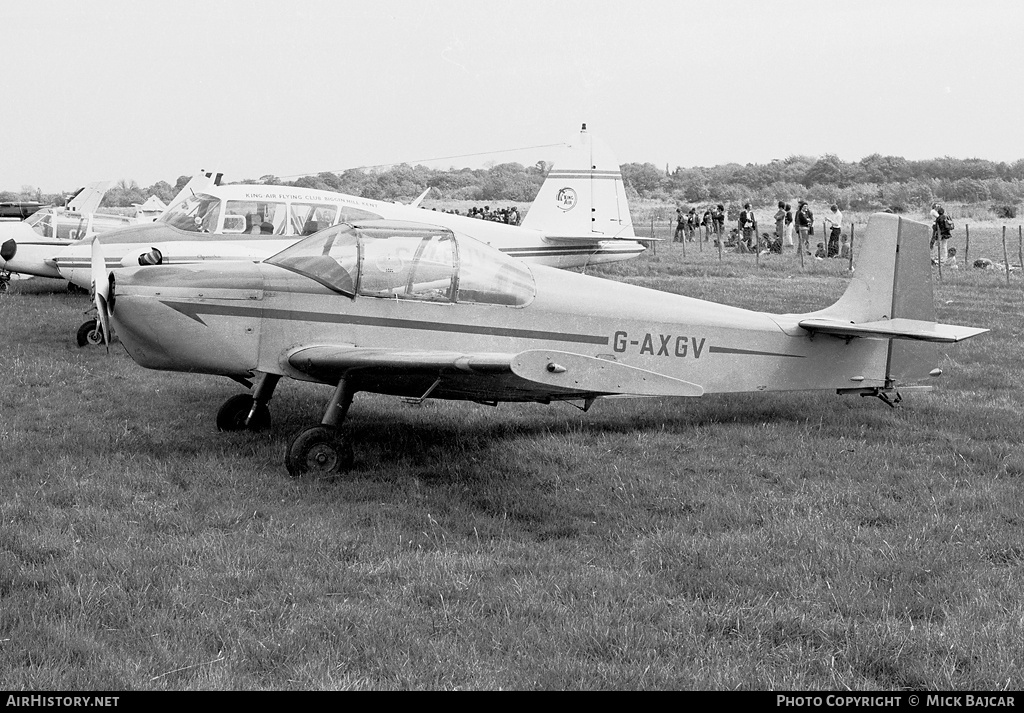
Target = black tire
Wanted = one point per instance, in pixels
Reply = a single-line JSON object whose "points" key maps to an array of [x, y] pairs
{"points": [[3, 286], [234, 411], [90, 333], [320, 452]]}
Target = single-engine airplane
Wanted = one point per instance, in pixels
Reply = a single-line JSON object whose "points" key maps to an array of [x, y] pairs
{"points": [[579, 217], [422, 311]]}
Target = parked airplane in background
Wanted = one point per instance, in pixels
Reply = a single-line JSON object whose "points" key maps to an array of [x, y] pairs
{"points": [[580, 217], [51, 229], [424, 311], [18, 210]]}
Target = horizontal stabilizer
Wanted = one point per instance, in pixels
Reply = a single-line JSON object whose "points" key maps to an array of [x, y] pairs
{"points": [[898, 328], [577, 372]]}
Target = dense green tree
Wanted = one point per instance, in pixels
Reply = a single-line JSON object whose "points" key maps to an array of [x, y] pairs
{"points": [[645, 178]]}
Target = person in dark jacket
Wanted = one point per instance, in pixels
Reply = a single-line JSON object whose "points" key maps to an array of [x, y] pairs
{"points": [[804, 226]]}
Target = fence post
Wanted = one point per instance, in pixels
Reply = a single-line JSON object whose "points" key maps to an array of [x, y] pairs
{"points": [[1006, 260], [852, 228], [1020, 247], [967, 245]]}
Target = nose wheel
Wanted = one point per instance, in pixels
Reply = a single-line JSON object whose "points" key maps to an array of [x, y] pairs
{"points": [[320, 452], [234, 413], [90, 333]]}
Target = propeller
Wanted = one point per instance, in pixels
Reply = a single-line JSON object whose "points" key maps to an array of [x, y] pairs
{"points": [[101, 289]]}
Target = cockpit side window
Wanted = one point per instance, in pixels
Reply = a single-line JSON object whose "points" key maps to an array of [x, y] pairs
{"points": [[307, 218], [419, 265], [255, 217], [349, 214]]}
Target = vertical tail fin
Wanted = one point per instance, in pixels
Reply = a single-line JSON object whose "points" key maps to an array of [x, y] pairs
{"points": [[88, 198], [583, 195], [891, 296]]}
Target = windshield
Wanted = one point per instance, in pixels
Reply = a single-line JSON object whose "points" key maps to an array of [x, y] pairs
{"points": [[198, 213], [408, 262], [329, 257]]}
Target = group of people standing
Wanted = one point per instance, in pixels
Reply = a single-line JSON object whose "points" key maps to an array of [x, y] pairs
{"points": [[690, 223], [787, 224], [803, 220]]}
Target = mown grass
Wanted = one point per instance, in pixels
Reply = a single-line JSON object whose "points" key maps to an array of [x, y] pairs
{"points": [[776, 541]]}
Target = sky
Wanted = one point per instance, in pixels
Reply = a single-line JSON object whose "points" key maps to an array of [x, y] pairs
{"points": [[119, 90]]}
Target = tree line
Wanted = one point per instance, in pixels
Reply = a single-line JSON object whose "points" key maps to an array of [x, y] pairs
{"points": [[874, 182]]}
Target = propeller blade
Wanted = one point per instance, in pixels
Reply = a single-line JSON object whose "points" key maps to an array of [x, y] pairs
{"points": [[101, 288]]}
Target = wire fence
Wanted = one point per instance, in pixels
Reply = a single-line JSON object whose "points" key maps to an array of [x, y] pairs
{"points": [[975, 247]]}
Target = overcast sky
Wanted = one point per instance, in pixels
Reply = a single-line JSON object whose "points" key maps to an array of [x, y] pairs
{"points": [[112, 89]]}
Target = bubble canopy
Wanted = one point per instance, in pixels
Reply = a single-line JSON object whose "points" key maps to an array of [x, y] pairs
{"points": [[408, 261]]}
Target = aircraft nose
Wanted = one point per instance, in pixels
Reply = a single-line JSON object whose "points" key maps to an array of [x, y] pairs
{"points": [[8, 249]]}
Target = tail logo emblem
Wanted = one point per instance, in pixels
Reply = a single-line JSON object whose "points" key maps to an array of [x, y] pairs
{"points": [[566, 198]]}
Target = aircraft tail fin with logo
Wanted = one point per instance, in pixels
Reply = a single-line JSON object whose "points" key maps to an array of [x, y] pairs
{"points": [[583, 196], [891, 297]]}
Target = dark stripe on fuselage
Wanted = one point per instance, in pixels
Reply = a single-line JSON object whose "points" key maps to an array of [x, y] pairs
{"points": [[193, 310], [750, 352]]}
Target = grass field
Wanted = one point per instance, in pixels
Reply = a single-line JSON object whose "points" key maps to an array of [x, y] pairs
{"points": [[765, 541]]}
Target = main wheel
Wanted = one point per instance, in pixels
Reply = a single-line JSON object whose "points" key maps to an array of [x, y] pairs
{"points": [[232, 415], [3, 286], [320, 451], [90, 333]]}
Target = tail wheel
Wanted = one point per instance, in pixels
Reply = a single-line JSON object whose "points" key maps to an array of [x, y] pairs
{"points": [[90, 333], [232, 415], [321, 452]]}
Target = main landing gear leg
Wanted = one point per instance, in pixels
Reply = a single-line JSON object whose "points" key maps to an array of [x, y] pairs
{"points": [[323, 451], [249, 411]]}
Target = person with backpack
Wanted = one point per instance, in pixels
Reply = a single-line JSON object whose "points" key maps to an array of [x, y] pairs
{"points": [[944, 229]]}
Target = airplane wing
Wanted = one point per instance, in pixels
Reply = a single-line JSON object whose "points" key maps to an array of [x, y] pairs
{"points": [[533, 373], [898, 328]]}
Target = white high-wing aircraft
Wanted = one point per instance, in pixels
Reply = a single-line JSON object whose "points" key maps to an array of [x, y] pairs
{"points": [[580, 217]]}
